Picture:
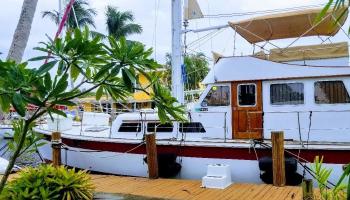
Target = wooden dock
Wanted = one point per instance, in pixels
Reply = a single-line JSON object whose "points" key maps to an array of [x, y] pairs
{"points": [[190, 189]]}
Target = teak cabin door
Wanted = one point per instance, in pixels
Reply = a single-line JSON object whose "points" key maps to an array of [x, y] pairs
{"points": [[247, 120]]}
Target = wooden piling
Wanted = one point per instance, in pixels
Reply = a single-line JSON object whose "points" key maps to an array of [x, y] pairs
{"points": [[152, 162], [278, 169], [56, 143], [308, 192]]}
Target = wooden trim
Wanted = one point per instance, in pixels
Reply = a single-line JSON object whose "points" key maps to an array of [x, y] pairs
{"points": [[246, 125]]}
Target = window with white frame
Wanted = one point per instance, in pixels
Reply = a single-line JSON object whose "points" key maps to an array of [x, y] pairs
{"points": [[287, 94], [330, 92]]}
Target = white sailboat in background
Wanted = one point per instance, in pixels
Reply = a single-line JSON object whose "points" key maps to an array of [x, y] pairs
{"points": [[303, 91]]}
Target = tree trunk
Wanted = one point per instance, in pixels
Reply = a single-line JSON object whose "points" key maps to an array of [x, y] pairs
{"points": [[21, 35]]}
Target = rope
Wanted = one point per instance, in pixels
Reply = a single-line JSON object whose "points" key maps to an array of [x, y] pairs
{"points": [[308, 133], [67, 148]]}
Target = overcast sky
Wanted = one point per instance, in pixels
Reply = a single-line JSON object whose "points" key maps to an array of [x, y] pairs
{"points": [[156, 33]]}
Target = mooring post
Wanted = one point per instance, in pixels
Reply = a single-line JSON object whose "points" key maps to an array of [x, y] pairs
{"points": [[56, 143], [308, 191], [278, 169], [152, 162]]}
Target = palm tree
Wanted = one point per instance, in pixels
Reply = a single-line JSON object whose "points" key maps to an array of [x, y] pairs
{"points": [[22, 32], [119, 24], [84, 15]]}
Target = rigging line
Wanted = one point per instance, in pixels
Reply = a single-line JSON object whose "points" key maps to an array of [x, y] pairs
{"points": [[237, 14], [209, 58], [203, 37], [209, 21], [214, 35]]}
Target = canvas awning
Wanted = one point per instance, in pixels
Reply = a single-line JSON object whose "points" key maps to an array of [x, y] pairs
{"points": [[289, 25], [309, 52]]}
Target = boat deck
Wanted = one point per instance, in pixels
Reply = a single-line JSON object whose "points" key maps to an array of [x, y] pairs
{"points": [[190, 189]]}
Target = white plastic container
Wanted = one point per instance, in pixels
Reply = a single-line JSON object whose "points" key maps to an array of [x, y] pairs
{"points": [[218, 176]]}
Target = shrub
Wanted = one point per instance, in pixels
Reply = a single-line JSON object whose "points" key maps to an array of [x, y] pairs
{"points": [[48, 182]]}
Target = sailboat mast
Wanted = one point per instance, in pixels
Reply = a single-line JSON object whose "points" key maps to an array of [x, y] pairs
{"points": [[176, 51]]}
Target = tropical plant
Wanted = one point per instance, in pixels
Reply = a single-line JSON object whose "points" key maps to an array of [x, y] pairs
{"points": [[22, 32], [340, 191], [84, 16], [32, 142], [120, 24], [48, 182], [335, 5], [196, 66], [109, 68]]}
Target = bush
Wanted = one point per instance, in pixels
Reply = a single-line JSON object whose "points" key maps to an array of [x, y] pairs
{"points": [[48, 182]]}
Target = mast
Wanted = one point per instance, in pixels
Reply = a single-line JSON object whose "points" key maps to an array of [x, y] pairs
{"points": [[176, 51]]}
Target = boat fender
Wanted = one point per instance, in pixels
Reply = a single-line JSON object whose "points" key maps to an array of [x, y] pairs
{"points": [[292, 178], [167, 165], [265, 164]]}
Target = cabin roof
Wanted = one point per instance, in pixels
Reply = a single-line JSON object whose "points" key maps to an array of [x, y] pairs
{"points": [[290, 25], [246, 68]]}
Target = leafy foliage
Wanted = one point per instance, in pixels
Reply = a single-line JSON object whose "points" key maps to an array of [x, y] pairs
{"points": [[84, 14], [32, 141], [338, 6], [197, 67], [93, 65], [48, 182], [339, 191], [120, 24]]}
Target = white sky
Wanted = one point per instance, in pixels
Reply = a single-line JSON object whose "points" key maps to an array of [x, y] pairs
{"points": [[144, 12]]}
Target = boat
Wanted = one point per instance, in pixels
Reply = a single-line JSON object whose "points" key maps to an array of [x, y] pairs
{"points": [[302, 91]]}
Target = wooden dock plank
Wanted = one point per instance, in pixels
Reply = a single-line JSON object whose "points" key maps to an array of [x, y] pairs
{"points": [[190, 189]]}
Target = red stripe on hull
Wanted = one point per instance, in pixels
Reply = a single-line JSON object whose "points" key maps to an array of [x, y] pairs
{"points": [[330, 156]]}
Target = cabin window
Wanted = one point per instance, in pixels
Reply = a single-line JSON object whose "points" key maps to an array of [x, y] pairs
{"points": [[191, 127], [130, 127], [153, 126], [217, 96], [331, 92], [287, 94], [247, 95]]}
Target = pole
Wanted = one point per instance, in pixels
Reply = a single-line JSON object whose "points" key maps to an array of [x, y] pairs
{"points": [[177, 86], [278, 165], [56, 143], [152, 162], [59, 10], [308, 192]]}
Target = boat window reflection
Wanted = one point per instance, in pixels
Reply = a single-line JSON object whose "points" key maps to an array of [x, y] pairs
{"points": [[331, 92], [218, 96], [287, 94], [246, 95]]}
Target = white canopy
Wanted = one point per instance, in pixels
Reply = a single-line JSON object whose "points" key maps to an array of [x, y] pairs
{"points": [[290, 25], [246, 68]]}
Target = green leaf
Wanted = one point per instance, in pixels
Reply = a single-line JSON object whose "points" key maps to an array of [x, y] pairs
{"points": [[33, 100], [61, 86], [18, 104], [48, 81], [46, 67], [58, 112], [74, 72], [40, 58], [99, 93], [64, 102]]}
